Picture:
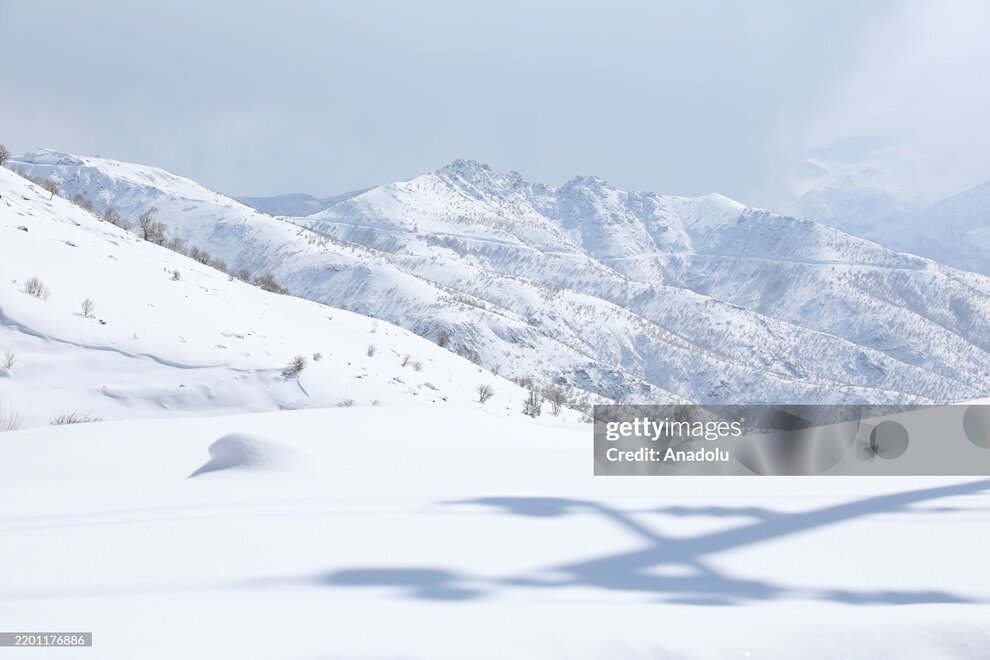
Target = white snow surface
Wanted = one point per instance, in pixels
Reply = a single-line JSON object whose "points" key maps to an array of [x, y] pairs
{"points": [[628, 296], [431, 533], [202, 345]]}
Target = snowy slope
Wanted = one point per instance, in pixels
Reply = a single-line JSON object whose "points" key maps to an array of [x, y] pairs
{"points": [[869, 190], [466, 534], [202, 345], [954, 231], [626, 295]]}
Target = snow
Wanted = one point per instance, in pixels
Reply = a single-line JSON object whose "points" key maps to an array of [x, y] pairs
{"points": [[869, 190], [439, 533], [202, 345], [614, 295], [227, 509]]}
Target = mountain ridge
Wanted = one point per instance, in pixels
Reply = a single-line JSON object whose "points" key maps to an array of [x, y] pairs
{"points": [[617, 295]]}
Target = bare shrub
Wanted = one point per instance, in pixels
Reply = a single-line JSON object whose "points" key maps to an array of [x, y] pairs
{"points": [[150, 229], [9, 360], [176, 244], [485, 392], [73, 418], [406, 359], [202, 256], [4, 154], [372, 349], [533, 405], [52, 185], [523, 381], [37, 288], [87, 306], [557, 399], [82, 202], [269, 283], [317, 357], [443, 338], [9, 421], [471, 355], [346, 403], [176, 275], [295, 367], [374, 326], [114, 218], [417, 365]]}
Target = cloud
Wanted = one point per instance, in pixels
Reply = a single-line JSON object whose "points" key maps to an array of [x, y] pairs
{"points": [[677, 97]]}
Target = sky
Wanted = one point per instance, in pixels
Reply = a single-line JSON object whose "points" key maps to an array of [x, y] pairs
{"points": [[261, 98]]}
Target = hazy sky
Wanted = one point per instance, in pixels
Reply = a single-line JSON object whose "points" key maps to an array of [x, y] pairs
{"points": [[685, 97]]}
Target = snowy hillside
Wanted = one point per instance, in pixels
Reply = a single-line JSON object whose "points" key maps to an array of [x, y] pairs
{"points": [[167, 335], [624, 295], [871, 191], [863, 186], [954, 231]]}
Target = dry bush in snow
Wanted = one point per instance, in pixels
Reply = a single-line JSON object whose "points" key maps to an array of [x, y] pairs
{"points": [[176, 244], [557, 399], [9, 421], [87, 307], [37, 288], [533, 405], [82, 202], [9, 360], [443, 338], [269, 283], [73, 418], [372, 349], [295, 367], [52, 186], [4, 154], [114, 218], [150, 229], [202, 256], [485, 392]]}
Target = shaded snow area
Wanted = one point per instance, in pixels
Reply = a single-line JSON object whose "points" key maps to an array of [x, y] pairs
{"points": [[429, 533], [202, 344]]}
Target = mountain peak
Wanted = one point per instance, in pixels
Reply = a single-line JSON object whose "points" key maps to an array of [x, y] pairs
{"points": [[587, 181], [479, 175]]}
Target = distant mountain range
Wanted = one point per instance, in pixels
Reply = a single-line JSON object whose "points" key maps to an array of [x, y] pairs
{"points": [[617, 295], [866, 188]]}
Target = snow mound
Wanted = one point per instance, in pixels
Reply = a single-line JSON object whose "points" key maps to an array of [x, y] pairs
{"points": [[245, 451]]}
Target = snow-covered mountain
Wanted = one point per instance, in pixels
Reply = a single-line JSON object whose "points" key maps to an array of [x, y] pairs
{"points": [[865, 187], [955, 230], [625, 295], [165, 335]]}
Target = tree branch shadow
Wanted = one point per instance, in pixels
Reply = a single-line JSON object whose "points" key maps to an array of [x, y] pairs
{"points": [[675, 569]]}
